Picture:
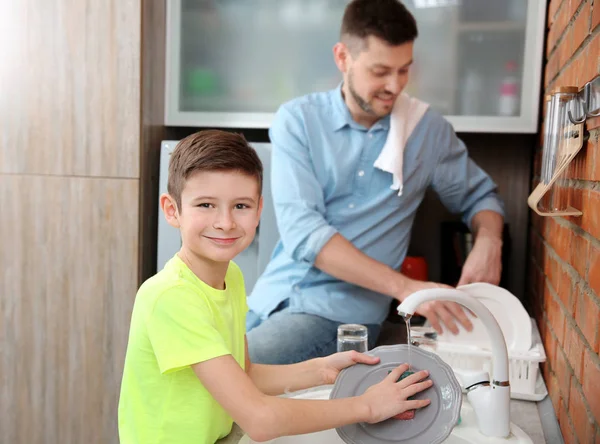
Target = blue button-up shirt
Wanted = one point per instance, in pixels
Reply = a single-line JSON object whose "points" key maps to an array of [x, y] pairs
{"points": [[324, 182]]}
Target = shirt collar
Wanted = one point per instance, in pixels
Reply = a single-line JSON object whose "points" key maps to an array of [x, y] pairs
{"points": [[342, 116]]}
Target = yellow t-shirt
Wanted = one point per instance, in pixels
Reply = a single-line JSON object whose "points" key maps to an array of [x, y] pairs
{"points": [[178, 320]]}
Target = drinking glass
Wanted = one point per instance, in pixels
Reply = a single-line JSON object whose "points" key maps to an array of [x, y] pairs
{"points": [[352, 337]]}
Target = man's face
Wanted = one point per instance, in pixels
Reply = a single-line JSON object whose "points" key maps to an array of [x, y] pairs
{"points": [[376, 74], [220, 213]]}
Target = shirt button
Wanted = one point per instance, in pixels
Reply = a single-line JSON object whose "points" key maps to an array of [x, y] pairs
{"points": [[370, 135], [351, 205], [361, 173], [297, 288]]}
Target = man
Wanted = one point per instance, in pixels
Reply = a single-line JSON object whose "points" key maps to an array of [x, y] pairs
{"points": [[344, 231]]}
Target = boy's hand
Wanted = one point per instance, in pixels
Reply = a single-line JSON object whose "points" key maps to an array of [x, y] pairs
{"points": [[389, 398], [332, 365]]}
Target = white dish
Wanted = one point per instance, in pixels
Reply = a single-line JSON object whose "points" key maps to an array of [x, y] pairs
{"points": [[508, 311]]}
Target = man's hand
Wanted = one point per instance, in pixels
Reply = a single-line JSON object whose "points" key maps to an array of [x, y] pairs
{"points": [[438, 313], [331, 366], [484, 263]]}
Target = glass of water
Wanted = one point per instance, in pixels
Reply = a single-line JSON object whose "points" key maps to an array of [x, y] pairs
{"points": [[352, 337]]}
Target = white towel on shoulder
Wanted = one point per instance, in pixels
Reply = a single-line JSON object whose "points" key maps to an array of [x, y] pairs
{"points": [[406, 114]]}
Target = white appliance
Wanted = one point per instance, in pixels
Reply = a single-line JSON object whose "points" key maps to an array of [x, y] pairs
{"points": [[254, 259]]}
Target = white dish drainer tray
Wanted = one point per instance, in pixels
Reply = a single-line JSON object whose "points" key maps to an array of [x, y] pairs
{"points": [[526, 382]]}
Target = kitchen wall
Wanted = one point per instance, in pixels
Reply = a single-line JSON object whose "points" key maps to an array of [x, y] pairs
{"points": [[564, 269], [80, 132]]}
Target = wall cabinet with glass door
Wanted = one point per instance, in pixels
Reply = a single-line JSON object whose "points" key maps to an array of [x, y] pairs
{"points": [[231, 63]]}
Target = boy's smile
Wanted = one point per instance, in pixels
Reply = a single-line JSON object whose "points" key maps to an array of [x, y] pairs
{"points": [[219, 213], [222, 240]]}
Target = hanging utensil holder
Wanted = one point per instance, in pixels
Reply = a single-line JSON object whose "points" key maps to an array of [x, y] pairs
{"points": [[562, 141]]}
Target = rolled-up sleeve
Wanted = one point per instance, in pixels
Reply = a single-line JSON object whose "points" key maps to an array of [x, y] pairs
{"points": [[297, 194], [461, 184]]}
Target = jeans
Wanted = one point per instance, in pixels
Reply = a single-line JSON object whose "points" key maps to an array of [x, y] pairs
{"points": [[287, 338]]}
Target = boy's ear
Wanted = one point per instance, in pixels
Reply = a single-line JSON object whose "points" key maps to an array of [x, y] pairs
{"points": [[169, 207], [260, 208]]}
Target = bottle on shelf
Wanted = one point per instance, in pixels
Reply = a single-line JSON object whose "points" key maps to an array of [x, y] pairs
{"points": [[471, 93], [508, 102]]}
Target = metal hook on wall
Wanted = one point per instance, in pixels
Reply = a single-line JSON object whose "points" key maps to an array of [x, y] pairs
{"points": [[589, 99]]}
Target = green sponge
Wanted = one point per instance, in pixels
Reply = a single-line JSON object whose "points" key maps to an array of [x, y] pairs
{"points": [[409, 414], [406, 374]]}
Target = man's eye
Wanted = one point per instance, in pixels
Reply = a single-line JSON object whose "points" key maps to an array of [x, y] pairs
{"points": [[380, 74]]}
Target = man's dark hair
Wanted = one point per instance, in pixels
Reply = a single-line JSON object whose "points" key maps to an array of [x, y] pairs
{"points": [[388, 20], [211, 150]]}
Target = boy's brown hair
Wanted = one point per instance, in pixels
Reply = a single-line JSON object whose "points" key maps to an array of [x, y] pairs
{"points": [[211, 150]]}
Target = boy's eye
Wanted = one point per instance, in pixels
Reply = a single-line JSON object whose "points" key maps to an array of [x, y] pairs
{"points": [[204, 205], [241, 206]]}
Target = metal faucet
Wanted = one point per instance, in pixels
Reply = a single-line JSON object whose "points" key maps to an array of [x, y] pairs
{"points": [[491, 402]]}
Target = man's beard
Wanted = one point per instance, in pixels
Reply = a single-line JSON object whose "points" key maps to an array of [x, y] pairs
{"points": [[362, 103]]}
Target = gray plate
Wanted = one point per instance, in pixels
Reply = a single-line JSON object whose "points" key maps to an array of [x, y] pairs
{"points": [[431, 424]]}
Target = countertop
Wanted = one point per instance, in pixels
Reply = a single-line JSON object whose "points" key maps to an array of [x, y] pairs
{"points": [[537, 419]]}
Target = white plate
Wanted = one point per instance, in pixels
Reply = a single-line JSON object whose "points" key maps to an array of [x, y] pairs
{"points": [[508, 311]]}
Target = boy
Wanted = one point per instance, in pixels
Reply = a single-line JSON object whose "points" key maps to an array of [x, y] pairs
{"points": [[187, 373]]}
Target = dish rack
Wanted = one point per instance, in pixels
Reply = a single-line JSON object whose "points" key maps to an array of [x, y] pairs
{"points": [[526, 382]]}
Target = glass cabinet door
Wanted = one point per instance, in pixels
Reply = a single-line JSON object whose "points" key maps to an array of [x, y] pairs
{"points": [[231, 63]]}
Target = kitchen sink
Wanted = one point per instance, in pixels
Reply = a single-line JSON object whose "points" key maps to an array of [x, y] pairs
{"points": [[466, 432]]}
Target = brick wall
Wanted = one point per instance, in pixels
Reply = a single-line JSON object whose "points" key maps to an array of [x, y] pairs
{"points": [[564, 272]]}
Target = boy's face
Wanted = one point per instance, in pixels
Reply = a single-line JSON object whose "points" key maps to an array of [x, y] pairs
{"points": [[220, 211]]}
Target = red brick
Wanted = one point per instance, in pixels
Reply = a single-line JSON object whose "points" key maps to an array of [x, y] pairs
{"points": [[583, 424], [587, 316], [551, 69], [562, 241], [550, 348], [540, 286], [593, 159], [573, 6], [579, 254], [566, 291], [581, 27], [568, 73], [554, 393], [543, 329], [596, 15], [561, 19], [593, 122], [564, 54], [546, 371], [556, 319], [591, 213], [552, 8], [592, 56], [591, 382], [565, 424], [563, 374], [594, 269], [574, 350], [550, 270]]}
